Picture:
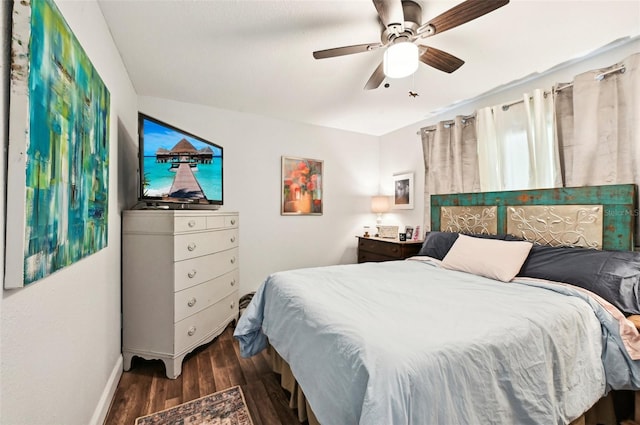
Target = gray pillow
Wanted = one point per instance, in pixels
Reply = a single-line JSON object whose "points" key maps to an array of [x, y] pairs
{"points": [[437, 244], [614, 275]]}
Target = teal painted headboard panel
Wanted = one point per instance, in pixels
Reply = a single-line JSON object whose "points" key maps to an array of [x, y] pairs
{"points": [[618, 213]]}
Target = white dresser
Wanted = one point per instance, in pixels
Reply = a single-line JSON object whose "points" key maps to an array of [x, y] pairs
{"points": [[180, 282]]}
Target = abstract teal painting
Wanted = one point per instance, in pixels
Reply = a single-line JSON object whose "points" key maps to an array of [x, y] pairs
{"points": [[58, 164]]}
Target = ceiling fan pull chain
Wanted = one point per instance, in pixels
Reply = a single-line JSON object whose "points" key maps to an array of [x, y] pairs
{"points": [[413, 93]]}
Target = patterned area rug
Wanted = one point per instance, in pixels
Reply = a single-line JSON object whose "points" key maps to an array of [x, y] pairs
{"points": [[225, 407]]}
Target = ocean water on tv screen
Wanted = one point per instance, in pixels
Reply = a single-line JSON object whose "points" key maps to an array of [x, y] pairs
{"points": [[160, 177]]}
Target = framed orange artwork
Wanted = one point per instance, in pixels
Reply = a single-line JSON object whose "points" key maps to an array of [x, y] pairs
{"points": [[301, 186]]}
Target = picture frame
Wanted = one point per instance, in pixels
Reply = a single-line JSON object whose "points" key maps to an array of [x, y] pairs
{"points": [[301, 186], [416, 234], [388, 232], [403, 191], [408, 230]]}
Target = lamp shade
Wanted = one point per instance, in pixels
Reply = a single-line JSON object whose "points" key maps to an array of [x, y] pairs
{"points": [[379, 204], [401, 60]]}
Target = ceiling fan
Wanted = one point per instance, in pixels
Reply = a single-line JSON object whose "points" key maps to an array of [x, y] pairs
{"points": [[402, 28]]}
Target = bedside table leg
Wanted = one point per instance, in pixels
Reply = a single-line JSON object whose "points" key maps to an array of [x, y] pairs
{"points": [[636, 411], [636, 407]]}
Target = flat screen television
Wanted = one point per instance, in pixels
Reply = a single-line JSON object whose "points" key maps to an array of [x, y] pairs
{"points": [[177, 168]]}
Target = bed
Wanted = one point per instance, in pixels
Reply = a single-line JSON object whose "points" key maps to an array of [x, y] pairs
{"points": [[464, 333]]}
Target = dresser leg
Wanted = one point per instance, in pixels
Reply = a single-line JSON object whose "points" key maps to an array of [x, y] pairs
{"points": [[173, 367], [126, 359]]}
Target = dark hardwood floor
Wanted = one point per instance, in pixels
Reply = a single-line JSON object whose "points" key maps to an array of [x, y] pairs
{"points": [[145, 388]]}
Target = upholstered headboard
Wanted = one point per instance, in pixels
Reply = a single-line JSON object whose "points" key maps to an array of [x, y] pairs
{"points": [[601, 217]]}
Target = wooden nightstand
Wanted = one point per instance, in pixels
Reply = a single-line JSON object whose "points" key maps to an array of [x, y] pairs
{"points": [[378, 249]]}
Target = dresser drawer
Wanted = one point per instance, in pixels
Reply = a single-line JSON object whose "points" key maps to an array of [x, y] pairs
{"points": [[199, 297], [190, 331], [215, 222], [189, 224], [220, 222], [374, 249], [203, 243], [194, 271], [372, 257], [380, 248]]}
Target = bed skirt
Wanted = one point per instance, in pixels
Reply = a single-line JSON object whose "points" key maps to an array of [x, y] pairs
{"points": [[601, 413], [297, 400]]}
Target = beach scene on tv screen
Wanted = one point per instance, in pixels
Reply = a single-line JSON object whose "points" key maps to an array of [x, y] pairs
{"points": [[179, 166]]}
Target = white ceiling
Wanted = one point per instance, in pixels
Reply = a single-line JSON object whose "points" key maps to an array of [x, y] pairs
{"points": [[255, 56]]}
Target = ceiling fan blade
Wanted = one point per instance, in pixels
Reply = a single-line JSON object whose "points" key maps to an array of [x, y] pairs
{"points": [[391, 14], [439, 60], [458, 15], [376, 78], [346, 50]]}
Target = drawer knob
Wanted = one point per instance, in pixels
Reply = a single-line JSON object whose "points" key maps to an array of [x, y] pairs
{"points": [[192, 274], [191, 223], [192, 302], [233, 221], [233, 282], [233, 260], [191, 246], [233, 239], [192, 331], [233, 304]]}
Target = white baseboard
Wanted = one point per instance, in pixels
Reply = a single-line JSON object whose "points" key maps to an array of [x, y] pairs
{"points": [[100, 413]]}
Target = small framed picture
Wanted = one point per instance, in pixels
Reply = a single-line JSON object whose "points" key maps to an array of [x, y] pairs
{"points": [[403, 191], [408, 230], [388, 232]]}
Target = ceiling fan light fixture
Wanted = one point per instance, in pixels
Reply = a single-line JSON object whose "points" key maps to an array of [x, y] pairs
{"points": [[401, 60]]}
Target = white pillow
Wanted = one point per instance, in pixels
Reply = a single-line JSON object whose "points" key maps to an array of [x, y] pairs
{"points": [[492, 258]]}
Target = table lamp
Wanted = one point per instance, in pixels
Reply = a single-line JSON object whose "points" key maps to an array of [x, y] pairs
{"points": [[379, 205]]}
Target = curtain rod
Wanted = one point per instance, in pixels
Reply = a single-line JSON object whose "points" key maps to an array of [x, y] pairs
{"points": [[506, 106], [598, 77], [447, 123]]}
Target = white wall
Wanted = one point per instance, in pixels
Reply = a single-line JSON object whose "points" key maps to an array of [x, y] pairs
{"points": [[60, 353], [253, 146], [401, 150]]}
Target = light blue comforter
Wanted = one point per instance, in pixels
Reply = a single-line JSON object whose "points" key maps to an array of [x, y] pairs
{"points": [[406, 342]]}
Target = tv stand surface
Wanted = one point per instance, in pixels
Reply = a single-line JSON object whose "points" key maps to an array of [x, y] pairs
{"points": [[162, 205], [155, 207]]}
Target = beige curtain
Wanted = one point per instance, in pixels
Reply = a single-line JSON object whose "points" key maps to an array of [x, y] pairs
{"points": [[599, 125], [450, 159]]}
